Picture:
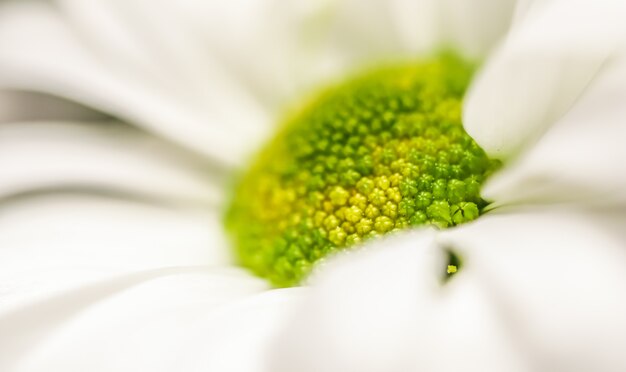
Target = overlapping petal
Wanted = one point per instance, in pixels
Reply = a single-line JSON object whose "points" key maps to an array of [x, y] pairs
{"points": [[282, 50], [213, 76], [580, 159], [32, 32], [551, 55], [169, 319], [106, 156], [550, 103], [541, 290], [556, 277], [386, 308]]}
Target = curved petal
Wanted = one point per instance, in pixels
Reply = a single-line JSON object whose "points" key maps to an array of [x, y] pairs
{"points": [[198, 71], [102, 155], [580, 159], [386, 309], [79, 232], [537, 291], [189, 318], [549, 58], [219, 123], [557, 279]]}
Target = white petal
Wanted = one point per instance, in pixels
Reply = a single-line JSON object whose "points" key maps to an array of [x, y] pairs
{"points": [[475, 27], [106, 156], [375, 31], [580, 159], [41, 51], [537, 291], [196, 71], [544, 65], [188, 319], [25, 288], [268, 45], [557, 280], [286, 48], [240, 337], [385, 309], [73, 232]]}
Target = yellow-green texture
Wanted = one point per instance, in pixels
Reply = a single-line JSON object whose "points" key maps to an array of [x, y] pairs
{"points": [[382, 152]]}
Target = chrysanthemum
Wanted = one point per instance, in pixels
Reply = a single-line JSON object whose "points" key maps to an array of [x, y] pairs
{"points": [[124, 123]]}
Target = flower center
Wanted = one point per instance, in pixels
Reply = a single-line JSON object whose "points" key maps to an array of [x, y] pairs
{"points": [[379, 153]]}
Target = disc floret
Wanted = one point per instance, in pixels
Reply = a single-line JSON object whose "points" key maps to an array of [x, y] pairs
{"points": [[381, 153]]}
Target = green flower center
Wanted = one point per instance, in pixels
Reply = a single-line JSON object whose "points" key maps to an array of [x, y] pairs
{"points": [[379, 153]]}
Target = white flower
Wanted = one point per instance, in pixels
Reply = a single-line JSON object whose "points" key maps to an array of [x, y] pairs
{"points": [[112, 255]]}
